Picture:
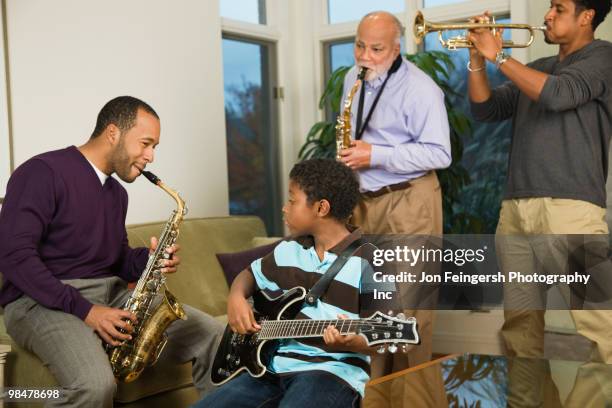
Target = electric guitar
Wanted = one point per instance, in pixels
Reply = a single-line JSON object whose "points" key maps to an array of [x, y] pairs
{"points": [[253, 352]]}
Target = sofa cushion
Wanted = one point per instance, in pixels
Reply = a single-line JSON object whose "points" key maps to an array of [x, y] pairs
{"points": [[261, 241], [154, 380], [236, 262]]}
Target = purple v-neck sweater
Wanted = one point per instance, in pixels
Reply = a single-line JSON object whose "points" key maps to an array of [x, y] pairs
{"points": [[59, 222]]}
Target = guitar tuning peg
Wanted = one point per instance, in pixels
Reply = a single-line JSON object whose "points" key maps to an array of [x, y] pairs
{"points": [[390, 313], [401, 316], [381, 350], [392, 348], [404, 348]]}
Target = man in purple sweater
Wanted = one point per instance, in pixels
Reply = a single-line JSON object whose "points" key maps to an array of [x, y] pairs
{"points": [[65, 258]]}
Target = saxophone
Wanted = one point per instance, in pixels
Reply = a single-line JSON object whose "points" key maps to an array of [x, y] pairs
{"points": [[343, 121], [154, 306]]}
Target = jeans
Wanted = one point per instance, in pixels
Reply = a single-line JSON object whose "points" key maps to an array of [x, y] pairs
{"points": [[308, 389]]}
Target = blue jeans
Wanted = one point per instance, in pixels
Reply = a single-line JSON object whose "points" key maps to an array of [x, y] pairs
{"points": [[317, 389]]}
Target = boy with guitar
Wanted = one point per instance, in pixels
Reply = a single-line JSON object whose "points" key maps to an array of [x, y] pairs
{"points": [[317, 362]]}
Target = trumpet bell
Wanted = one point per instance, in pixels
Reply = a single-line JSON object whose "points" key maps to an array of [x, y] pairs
{"points": [[418, 27]]}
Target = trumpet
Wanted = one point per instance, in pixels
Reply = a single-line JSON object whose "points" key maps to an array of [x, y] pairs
{"points": [[422, 27]]}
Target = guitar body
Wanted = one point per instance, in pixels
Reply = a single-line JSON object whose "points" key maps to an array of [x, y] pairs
{"points": [[239, 352], [253, 352]]}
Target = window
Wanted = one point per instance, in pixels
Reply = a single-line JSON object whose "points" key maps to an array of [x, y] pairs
{"points": [[252, 145], [337, 54], [435, 3], [485, 154], [250, 11], [352, 10], [341, 55]]}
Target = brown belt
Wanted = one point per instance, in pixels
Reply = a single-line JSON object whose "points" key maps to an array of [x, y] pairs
{"points": [[387, 189]]}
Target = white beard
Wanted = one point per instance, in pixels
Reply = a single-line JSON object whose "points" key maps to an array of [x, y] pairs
{"points": [[372, 75], [377, 71]]}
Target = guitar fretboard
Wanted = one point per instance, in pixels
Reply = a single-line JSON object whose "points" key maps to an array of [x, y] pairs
{"points": [[291, 329]]}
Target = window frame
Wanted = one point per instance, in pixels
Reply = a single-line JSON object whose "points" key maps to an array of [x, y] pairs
{"points": [[6, 145], [269, 35], [300, 30], [261, 4], [516, 10], [329, 33]]}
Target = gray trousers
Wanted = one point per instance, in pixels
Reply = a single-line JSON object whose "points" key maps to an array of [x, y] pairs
{"points": [[75, 355]]}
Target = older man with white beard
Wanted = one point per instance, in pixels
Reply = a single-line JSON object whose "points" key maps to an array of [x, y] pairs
{"points": [[400, 137]]}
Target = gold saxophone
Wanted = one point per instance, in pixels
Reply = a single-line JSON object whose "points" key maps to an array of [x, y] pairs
{"points": [[343, 121], [154, 306]]}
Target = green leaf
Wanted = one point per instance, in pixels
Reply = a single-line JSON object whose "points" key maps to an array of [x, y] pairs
{"points": [[333, 90]]}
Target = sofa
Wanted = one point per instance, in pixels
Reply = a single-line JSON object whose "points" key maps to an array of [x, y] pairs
{"points": [[199, 282]]}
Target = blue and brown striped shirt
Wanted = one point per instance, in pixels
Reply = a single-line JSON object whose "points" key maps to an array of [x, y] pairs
{"points": [[295, 262]]}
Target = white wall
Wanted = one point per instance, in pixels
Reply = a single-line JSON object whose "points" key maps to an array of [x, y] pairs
{"points": [[537, 10], [5, 153], [303, 74], [68, 57]]}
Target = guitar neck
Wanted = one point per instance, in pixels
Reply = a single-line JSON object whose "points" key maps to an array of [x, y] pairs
{"points": [[293, 329]]}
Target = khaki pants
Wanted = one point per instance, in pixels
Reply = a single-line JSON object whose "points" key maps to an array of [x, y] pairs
{"points": [[523, 330], [536, 235], [415, 210]]}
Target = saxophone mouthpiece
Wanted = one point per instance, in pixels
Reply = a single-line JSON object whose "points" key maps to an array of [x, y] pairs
{"points": [[150, 176], [362, 73]]}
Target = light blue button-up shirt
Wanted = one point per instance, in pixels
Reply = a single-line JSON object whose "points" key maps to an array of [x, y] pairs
{"points": [[408, 131]]}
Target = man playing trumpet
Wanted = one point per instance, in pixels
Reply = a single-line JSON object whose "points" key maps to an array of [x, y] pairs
{"points": [[561, 110]]}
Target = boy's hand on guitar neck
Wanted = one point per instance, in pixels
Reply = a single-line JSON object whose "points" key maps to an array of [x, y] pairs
{"points": [[240, 315], [348, 342]]}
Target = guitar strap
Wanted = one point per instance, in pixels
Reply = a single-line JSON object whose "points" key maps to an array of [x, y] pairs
{"points": [[319, 288]]}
